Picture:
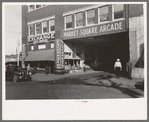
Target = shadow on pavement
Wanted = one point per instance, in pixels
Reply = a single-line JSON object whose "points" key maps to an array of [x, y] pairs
{"points": [[85, 81]]}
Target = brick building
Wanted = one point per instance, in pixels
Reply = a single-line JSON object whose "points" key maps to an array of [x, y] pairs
{"points": [[94, 35]]}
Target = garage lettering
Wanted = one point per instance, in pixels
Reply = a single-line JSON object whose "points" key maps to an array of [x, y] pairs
{"points": [[111, 27], [70, 33], [87, 31]]}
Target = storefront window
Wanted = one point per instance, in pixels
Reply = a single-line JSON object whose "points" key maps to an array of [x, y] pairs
{"points": [[79, 19], [68, 22], [37, 28], [31, 30], [51, 25], [118, 11], [44, 27], [90, 17], [52, 45], [32, 47], [103, 14]]}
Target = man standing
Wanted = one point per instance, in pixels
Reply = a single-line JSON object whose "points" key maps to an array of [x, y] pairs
{"points": [[118, 67], [129, 69]]}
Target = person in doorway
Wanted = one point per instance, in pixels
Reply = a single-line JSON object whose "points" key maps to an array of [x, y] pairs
{"points": [[118, 67], [129, 69]]}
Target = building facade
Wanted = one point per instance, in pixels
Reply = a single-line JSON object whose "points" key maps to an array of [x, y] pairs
{"points": [[90, 35]]}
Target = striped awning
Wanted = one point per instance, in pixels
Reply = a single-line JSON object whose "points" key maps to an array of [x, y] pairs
{"points": [[42, 55]]}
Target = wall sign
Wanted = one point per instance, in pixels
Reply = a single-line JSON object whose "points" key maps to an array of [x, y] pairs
{"points": [[41, 38], [42, 46], [103, 29], [59, 53]]}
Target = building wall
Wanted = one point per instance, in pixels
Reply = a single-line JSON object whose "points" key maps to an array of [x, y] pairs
{"points": [[136, 37], [135, 10], [134, 24]]}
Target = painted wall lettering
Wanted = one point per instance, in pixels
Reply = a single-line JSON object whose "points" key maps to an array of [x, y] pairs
{"points": [[41, 38], [112, 27]]}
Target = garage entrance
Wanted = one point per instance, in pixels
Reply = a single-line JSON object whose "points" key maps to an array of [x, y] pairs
{"points": [[103, 51]]}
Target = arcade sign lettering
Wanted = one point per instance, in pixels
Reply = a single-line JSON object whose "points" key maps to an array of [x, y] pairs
{"points": [[41, 38], [95, 30]]}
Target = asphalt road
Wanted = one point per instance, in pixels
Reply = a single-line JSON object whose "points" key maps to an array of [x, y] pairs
{"points": [[65, 89]]}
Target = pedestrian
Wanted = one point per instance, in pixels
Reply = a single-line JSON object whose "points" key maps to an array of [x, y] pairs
{"points": [[35, 69], [47, 70], [118, 67], [84, 68], [129, 69], [28, 68]]}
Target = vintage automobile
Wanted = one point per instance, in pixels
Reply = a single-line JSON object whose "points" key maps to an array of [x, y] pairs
{"points": [[16, 73]]}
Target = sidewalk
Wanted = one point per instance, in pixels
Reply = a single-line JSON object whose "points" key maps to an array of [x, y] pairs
{"points": [[91, 77]]}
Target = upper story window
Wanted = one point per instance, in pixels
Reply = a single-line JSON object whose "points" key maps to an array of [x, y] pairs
{"points": [[118, 10], [31, 30], [34, 7], [37, 28], [44, 27], [68, 21], [90, 17], [31, 7], [103, 14], [79, 19], [38, 6], [51, 25]]}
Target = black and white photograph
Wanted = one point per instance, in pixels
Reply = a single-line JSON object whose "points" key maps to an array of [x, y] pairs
{"points": [[74, 60]]}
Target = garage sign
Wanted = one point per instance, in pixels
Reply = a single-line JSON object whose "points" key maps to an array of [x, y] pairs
{"points": [[102, 29]]}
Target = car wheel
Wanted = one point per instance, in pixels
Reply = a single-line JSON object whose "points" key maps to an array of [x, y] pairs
{"points": [[15, 78]]}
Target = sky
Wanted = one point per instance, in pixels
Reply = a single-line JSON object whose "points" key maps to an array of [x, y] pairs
{"points": [[12, 28]]}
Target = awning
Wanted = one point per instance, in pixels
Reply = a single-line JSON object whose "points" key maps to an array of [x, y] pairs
{"points": [[42, 55]]}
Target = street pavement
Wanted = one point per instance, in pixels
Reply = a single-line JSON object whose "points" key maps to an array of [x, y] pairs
{"points": [[94, 77], [79, 85]]}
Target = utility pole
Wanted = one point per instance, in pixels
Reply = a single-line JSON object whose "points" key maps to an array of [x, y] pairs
{"points": [[18, 45]]}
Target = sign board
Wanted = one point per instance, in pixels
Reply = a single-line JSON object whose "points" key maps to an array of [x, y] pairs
{"points": [[59, 53], [41, 38], [102, 29]]}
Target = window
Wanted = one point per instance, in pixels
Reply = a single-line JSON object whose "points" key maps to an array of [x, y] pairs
{"points": [[68, 22], [41, 46], [31, 7], [103, 14], [32, 47], [78, 19], [52, 45], [44, 27], [37, 30], [51, 25], [118, 11], [38, 6], [67, 53], [34, 7], [31, 30], [90, 17]]}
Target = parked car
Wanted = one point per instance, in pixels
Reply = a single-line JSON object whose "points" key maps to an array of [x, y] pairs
{"points": [[16, 73]]}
